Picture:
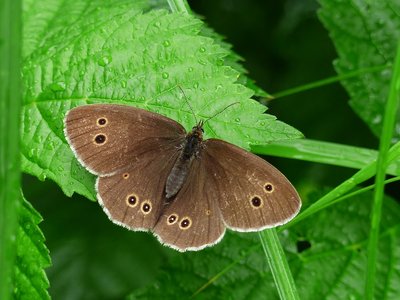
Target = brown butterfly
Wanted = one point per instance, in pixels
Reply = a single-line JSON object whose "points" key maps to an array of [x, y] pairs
{"points": [[153, 175]]}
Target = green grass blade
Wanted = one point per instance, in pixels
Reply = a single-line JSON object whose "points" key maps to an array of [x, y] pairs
{"points": [[278, 264], [362, 190], [10, 104], [324, 152], [361, 176], [179, 6], [389, 121], [326, 81]]}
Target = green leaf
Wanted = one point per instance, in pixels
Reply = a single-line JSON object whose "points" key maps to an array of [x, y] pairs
{"points": [[334, 265], [235, 272], [10, 112], [105, 53], [365, 34], [32, 256], [327, 256], [92, 258], [234, 60]]}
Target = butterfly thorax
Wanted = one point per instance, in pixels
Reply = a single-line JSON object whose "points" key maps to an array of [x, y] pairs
{"points": [[191, 148]]}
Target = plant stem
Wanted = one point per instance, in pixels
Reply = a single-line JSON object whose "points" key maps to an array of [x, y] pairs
{"points": [[278, 264], [389, 121], [179, 6], [10, 106]]}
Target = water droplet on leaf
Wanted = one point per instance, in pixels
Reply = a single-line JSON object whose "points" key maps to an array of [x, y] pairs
{"points": [[104, 61], [50, 146], [165, 75], [42, 177], [377, 119], [58, 86]]}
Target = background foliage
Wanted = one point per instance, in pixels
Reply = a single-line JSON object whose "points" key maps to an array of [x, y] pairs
{"points": [[125, 51]]}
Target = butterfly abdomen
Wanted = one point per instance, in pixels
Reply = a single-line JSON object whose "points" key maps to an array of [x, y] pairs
{"points": [[180, 170]]}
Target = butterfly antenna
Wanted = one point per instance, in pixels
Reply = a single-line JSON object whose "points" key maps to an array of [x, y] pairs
{"points": [[188, 103], [232, 104]]}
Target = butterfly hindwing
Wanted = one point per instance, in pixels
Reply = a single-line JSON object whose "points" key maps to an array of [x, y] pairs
{"points": [[252, 194], [192, 220], [135, 198]]}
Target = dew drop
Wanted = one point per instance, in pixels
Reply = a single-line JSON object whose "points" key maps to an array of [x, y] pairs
{"points": [[58, 86], [262, 123], [166, 43], [218, 87], [380, 22], [38, 139], [165, 75], [237, 120], [104, 61], [50, 145], [190, 69], [220, 62], [202, 49], [123, 83], [377, 119], [42, 177]]}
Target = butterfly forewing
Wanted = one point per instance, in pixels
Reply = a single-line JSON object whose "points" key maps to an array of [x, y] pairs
{"points": [[110, 138], [252, 194]]}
